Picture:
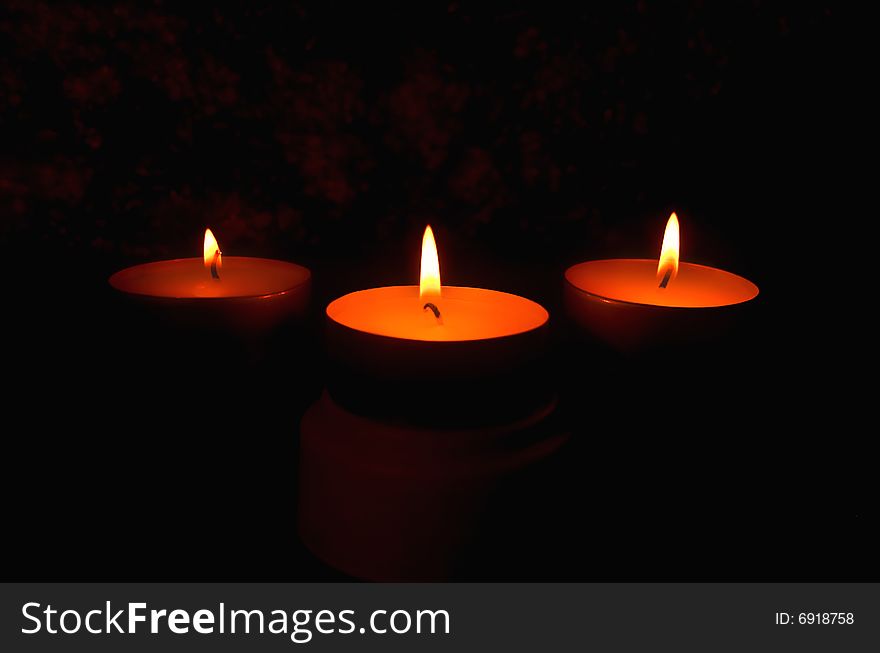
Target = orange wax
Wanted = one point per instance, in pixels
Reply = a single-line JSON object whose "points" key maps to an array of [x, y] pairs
{"points": [[620, 302], [635, 281], [465, 314], [187, 278]]}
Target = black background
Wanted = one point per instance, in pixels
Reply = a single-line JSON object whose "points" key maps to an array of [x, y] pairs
{"points": [[532, 137]]}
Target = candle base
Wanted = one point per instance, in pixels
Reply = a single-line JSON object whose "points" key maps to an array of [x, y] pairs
{"points": [[638, 328], [495, 380], [245, 316], [165, 331], [388, 501]]}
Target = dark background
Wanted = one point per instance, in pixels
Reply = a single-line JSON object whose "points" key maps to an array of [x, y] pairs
{"points": [[531, 137]]}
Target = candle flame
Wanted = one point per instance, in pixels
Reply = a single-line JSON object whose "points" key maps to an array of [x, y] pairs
{"points": [[429, 280], [212, 250], [667, 268]]}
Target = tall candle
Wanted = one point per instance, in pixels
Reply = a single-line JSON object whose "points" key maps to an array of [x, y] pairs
{"points": [[436, 405]]}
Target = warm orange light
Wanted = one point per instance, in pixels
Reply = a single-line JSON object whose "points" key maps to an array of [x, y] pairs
{"points": [[212, 252], [429, 280], [667, 268]]}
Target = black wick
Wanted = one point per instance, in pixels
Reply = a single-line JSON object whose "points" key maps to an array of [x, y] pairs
{"points": [[214, 273], [666, 278], [434, 309]]}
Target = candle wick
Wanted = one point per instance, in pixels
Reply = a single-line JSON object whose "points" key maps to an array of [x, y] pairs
{"points": [[434, 309], [214, 273], [666, 278]]}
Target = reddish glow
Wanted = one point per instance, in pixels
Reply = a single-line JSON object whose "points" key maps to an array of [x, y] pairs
{"points": [[429, 279], [211, 250], [669, 252]]}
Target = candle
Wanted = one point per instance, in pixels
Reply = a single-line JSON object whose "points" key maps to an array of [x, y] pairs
{"points": [[242, 293], [383, 340], [436, 405], [636, 303]]}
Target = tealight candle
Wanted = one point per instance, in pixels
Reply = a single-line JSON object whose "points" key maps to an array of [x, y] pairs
{"points": [[448, 336], [632, 303], [243, 293]]}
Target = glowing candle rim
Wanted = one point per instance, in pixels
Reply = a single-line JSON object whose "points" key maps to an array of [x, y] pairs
{"points": [[449, 293], [117, 279], [570, 272]]}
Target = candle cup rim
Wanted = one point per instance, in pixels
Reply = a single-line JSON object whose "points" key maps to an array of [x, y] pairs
{"points": [[185, 298], [615, 300]]}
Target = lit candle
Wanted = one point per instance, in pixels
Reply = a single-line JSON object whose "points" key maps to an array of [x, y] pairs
{"points": [[430, 312], [242, 293], [447, 335], [436, 406], [633, 303]]}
